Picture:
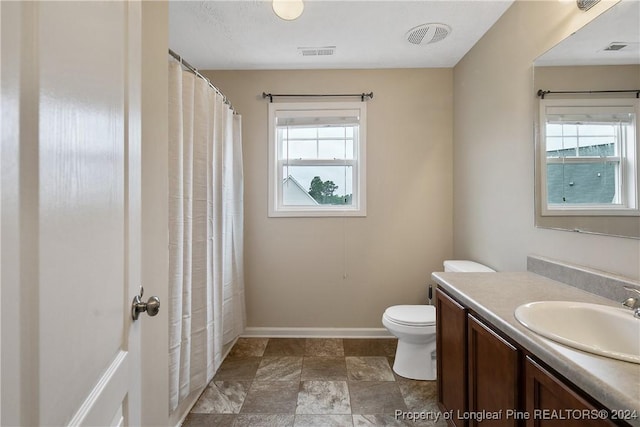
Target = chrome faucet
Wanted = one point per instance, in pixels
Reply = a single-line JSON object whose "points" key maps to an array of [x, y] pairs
{"points": [[633, 303]]}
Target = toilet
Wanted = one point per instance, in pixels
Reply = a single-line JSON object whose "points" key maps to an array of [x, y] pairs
{"points": [[415, 328]]}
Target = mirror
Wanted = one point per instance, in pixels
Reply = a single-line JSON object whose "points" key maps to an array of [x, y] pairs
{"points": [[597, 65]]}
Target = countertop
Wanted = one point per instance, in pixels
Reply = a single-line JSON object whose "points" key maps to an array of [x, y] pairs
{"points": [[495, 296]]}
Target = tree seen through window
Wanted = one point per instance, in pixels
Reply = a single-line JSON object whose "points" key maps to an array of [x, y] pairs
{"points": [[323, 193]]}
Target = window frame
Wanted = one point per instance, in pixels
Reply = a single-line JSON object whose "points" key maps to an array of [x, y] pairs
{"points": [[627, 158], [276, 207]]}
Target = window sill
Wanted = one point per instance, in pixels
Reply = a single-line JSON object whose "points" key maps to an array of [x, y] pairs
{"points": [[590, 211], [317, 213]]}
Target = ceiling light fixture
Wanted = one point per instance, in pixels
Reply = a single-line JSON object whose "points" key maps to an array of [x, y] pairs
{"points": [[288, 9]]}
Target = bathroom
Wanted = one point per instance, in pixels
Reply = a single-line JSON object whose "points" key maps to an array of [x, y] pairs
{"points": [[452, 177]]}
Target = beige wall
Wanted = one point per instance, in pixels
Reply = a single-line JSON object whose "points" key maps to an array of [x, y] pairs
{"points": [[494, 106], [295, 268], [600, 77]]}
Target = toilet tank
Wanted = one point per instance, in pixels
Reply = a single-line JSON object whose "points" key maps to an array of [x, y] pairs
{"points": [[463, 266]]}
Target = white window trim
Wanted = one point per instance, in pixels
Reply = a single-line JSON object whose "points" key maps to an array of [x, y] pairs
{"points": [[630, 202], [276, 208]]}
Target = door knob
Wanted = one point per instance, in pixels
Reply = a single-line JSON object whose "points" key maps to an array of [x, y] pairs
{"points": [[152, 306]]}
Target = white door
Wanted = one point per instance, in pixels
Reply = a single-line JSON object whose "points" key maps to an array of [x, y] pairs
{"points": [[70, 213]]}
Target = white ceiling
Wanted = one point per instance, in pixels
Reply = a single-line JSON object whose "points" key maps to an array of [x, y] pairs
{"points": [[246, 34], [620, 24]]}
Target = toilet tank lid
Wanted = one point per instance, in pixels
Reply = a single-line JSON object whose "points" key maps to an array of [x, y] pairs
{"points": [[464, 266]]}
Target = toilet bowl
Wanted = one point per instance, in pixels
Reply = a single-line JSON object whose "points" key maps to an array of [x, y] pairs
{"points": [[415, 328]]}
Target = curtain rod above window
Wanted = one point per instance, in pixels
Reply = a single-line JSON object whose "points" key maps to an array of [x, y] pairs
{"points": [[362, 96], [195, 71], [542, 93]]}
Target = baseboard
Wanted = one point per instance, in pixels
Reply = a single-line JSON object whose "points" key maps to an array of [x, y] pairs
{"points": [[253, 332]]}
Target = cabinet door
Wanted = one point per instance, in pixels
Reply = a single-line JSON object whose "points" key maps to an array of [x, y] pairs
{"points": [[451, 348], [493, 375], [550, 402]]}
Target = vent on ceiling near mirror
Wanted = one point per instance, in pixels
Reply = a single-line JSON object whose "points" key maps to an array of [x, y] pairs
{"points": [[317, 51], [586, 4], [616, 46], [427, 33]]}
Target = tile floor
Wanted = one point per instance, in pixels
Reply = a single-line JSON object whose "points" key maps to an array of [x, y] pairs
{"points": [[312, 382]]}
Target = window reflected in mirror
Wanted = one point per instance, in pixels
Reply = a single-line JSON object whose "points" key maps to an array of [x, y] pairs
{"points": [[590, 156]]}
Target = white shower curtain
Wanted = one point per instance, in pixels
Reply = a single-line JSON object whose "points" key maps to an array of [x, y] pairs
{"points": [[206, 284]]}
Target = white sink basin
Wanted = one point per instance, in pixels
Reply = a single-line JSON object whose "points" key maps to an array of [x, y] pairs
{"points": [[600, 329]]}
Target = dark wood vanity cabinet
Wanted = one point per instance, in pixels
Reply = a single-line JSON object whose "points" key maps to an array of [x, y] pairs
{"points": [[485, 379], [553, 403], [451, 349], [493, 375], [477, 369]]}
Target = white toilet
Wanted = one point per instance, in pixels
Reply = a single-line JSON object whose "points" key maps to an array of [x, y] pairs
{"points": [[415, 328]]}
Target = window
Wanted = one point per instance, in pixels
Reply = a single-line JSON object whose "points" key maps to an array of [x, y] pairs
{"points": [[589, 157], [317, 159]]}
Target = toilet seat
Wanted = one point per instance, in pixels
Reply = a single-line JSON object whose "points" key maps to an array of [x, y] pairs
{"points": [[412, 315]]}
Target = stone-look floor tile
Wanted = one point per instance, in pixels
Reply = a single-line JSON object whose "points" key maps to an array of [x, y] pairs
{"points": [[238, 369], [264, 420], [368, 369], [441, 423], [248, 347], [285, 347], [378, 420], [275, 403], [222, 397], [370, 347], [375, 397], [284, 368], [324, 347], [324, 368], [374, 421], [209, 420], [271, 397], [323, 421], [323, 397], [420, 395], [391, 361]]}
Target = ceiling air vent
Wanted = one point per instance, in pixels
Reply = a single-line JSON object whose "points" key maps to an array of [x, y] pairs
{"points": [[585, 5], [427, 33], [317, 51], [616, 46]]}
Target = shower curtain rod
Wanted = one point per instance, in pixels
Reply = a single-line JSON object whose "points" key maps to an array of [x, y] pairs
{"points": [[362, 96], [195, 71], [542, 93]]}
